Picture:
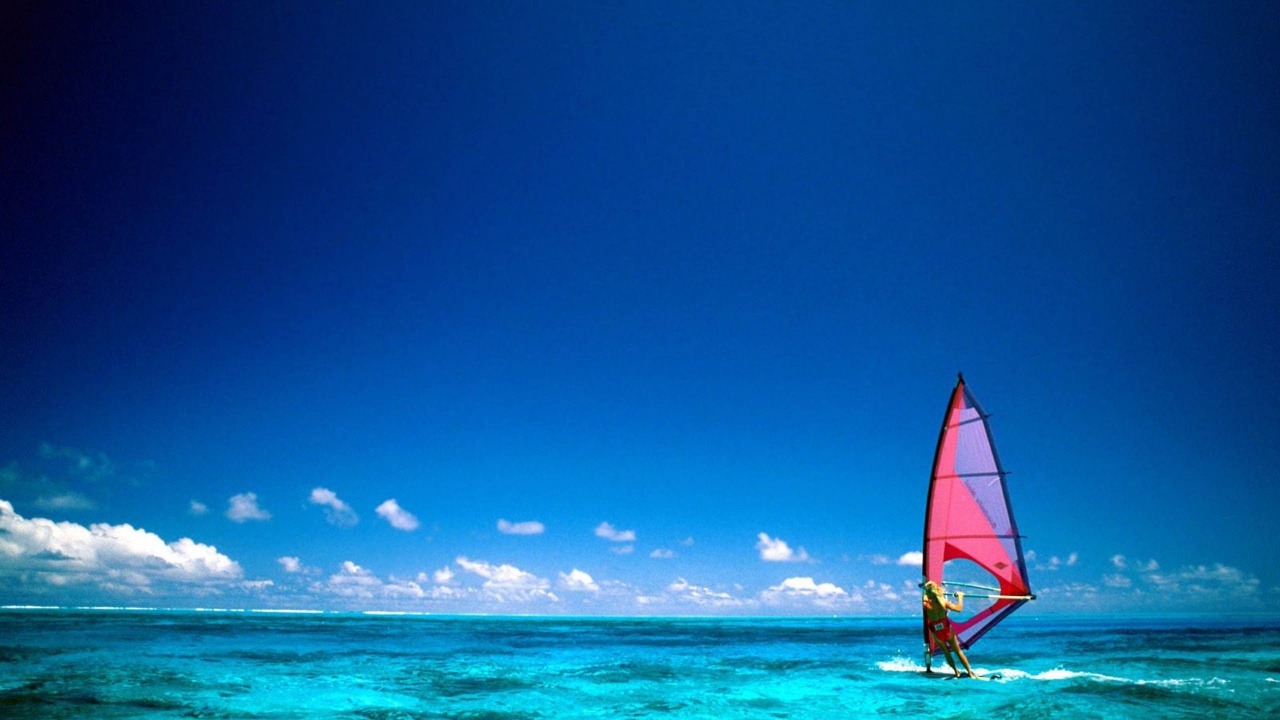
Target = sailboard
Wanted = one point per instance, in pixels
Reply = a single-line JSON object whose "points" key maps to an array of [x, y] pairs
{"points": [[971, 542]]}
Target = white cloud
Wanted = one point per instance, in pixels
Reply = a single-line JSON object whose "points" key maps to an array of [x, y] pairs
{"points": [[1073, 594], [879, 559], [336, 511], [608, 532], [1143, 584], [197, 508], [244, 507], [290, 564], [686, 592], [399, 518], [578, 581], [530, 527], [884, 592], [114, 557], [777, 550], [397, 588], [1203, 579], [501, 575], [915, 558], [507, 583], [1055, 562], [806, 585], [352, 581], [501, 586], [804, 588], [663, 554], [622, 549], [687, 542], [1217, 573], [1120, 562]]}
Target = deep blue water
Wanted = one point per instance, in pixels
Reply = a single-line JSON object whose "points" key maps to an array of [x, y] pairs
{"points": [[160, 664]]}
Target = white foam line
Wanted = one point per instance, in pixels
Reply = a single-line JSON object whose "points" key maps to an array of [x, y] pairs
{"points": [[1064, 674], [906, 665], [394, 613], [287, 611], [1059, 674], [900, 664]]}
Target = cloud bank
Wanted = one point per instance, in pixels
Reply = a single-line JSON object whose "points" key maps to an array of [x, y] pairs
{"points": [[40, 553]]}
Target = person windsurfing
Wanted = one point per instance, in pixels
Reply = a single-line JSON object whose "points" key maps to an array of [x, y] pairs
{"points": [[936, 606]]}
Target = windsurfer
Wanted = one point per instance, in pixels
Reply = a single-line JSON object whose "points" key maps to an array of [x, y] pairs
{"points": [[935, 614]]}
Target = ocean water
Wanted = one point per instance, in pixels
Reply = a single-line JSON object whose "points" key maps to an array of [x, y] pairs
{"points": [[186, 664]]}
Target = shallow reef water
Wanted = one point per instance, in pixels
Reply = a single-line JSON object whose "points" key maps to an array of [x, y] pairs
{"points": [[188, 664]]}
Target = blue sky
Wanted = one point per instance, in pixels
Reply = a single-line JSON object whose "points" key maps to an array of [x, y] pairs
{"points": [[632, 307]]}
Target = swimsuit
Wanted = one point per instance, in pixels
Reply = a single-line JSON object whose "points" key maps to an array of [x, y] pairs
{"points": [[941, 630]]}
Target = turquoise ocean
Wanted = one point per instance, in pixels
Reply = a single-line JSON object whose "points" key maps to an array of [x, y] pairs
{"points": [[191, 664]]}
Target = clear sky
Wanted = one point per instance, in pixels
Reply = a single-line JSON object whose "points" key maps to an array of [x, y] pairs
{"points": [[632, 307]]}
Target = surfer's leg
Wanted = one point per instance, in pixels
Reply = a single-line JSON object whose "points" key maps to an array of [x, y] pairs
{"points": [[946, 651], [955, 642]]}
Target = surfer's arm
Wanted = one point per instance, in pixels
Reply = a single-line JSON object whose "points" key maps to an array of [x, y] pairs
{"points": [[958, 605]]}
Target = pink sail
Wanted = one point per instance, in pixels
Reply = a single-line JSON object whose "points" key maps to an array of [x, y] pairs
{"points": [[969, 531]]}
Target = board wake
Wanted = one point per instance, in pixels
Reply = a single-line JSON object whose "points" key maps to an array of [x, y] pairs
{"points": [[903, 665]]}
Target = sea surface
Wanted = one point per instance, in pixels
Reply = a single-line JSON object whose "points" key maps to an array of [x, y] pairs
{"points": [[189, 664]]}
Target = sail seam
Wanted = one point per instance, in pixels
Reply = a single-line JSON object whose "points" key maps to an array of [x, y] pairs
{"points": [[974, 537]]}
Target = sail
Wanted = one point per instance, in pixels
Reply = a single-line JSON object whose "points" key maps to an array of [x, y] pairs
{"points": [[969, 531]]}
